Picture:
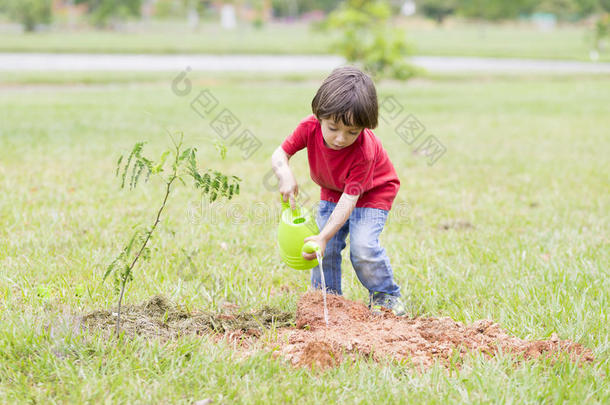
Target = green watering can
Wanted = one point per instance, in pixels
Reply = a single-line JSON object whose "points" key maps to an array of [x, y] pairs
{"points": [[295, 226]]}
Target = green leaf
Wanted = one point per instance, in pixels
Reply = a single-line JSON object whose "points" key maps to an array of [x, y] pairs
{"points": [[184, 155], [159, 167], [118, 165], [136, 151], [109, 269], [221, 148]]}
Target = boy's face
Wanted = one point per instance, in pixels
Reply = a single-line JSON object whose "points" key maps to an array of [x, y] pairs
{"points": [[337, 135]]}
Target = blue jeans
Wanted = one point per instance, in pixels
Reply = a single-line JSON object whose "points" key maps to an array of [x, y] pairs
{"points": [[368, 258]]}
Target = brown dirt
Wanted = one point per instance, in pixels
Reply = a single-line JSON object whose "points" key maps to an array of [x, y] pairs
{"points": [[352, 331], [422, 341], [160, 318]]}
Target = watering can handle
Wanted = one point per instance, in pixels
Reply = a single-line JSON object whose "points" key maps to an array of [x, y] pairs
{"points": [[285, 204]]}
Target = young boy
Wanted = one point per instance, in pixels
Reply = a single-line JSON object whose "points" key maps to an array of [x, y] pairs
{"points": [[358, 183]]}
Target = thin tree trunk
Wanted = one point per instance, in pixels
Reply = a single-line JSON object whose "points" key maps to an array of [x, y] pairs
{"points": [[167, 191]]}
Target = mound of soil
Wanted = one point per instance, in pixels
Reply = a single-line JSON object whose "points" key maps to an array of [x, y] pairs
{"points": [[160, 318], [354, 330]]}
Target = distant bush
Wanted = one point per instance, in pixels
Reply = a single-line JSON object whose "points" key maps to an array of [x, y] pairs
{"points": [[602, 26], [510, 9], [438, 10], [293, 8], [170, 8], [369, 39], [105, 12], [496, 9], [568, 9], [29, 13]]}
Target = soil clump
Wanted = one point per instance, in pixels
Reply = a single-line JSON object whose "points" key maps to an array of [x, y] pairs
{"points": [[354, 330]]}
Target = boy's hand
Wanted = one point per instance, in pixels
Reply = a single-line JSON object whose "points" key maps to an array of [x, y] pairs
{"points": [[320, 241], [287, 183], [337, 219], [289, 189]]}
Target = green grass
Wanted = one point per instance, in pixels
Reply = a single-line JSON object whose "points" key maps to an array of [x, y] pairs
{"points": [[526, 165], [506, 42], [209, 38], [459, 39]]}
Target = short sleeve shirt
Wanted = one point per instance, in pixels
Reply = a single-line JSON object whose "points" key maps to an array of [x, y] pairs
{"points": [[363, 168]]}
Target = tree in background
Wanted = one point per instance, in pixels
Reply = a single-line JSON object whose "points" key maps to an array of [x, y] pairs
{"points": [[602, 26], [294, 8], [167, 9], [563, 9], [496, 9], [370, 40], [106, 12], [29, 13], [322, 5], [438, 10]]}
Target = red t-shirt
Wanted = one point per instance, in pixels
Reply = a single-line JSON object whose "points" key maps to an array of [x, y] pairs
{"points": [[363, 168]]}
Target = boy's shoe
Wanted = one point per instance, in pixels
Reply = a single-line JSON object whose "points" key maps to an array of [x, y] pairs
{"points": [[380, 301]]}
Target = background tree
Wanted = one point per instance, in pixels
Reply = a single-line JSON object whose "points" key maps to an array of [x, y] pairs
{"points": [[567, 9], [602, 26], [438, 10], [496, 9], [106, 12], [294, 8], [369, 39], [29, 13]]}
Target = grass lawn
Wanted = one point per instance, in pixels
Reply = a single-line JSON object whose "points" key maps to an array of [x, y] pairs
{"points": [[526, 165], [571, 42], [505, 42]]}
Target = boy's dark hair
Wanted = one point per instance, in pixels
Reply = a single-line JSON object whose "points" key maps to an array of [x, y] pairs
{"points": [[349, 95]]}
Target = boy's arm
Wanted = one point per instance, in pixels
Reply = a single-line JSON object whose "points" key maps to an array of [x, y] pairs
{"points": [[337, 219], [287, 183]]}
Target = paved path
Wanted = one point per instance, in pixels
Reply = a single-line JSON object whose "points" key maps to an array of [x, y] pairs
{"points": [[276, 63]]}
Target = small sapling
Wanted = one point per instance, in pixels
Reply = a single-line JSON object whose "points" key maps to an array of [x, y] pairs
{"points": [[182, 166]]}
